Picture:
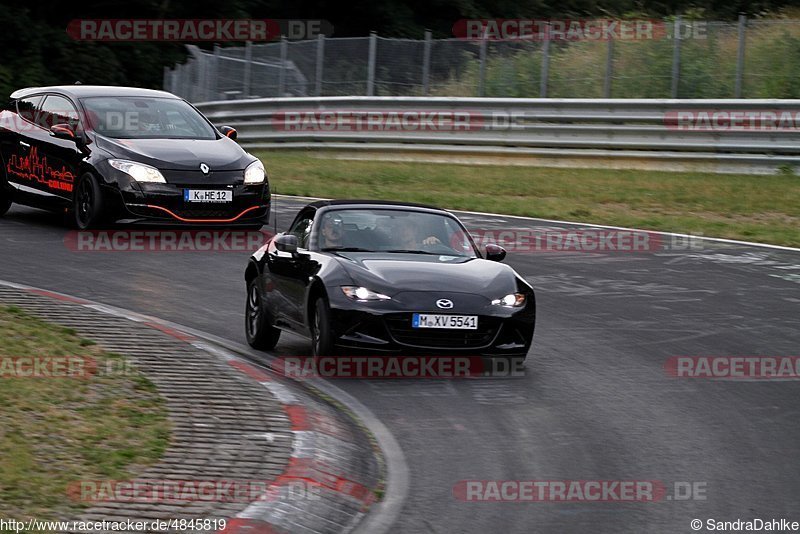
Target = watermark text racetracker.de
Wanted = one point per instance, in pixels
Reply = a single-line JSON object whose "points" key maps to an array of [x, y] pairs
{"points": [[733, 120], [734, 367], [166, 240], [537, 30], [578, 491], [60, 367], [195, 30], [547, 239], [398, 120], [385, 366], [305, 479], [192, 491]]}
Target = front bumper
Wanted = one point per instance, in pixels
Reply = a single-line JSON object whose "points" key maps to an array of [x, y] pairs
{"points": [[164, 205], [382, 328]]}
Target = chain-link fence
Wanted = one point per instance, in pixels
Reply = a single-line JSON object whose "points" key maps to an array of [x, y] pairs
{"points": [[691, 59]]}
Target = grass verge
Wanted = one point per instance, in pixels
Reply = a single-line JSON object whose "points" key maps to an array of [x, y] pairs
{"points": [[754, 208], [57, 430]]}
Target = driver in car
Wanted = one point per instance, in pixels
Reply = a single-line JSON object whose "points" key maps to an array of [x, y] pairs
{"points": [[409, 238], [332, 232], [148, 121]]}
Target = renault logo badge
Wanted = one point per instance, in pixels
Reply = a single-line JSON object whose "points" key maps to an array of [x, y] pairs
{"points": [[444, 304], [205, 169]]}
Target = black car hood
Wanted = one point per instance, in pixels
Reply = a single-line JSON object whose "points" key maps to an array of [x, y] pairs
{"points": [[179, 154], [395, 273]]}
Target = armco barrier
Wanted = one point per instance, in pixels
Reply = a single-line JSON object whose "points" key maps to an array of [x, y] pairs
{"points": [[744, 136]]}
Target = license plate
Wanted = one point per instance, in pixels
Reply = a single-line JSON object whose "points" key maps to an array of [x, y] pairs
{"points": [[207, 195], [450, 322]]}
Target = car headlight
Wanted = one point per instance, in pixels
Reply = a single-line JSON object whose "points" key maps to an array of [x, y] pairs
{"points": [[363, 294], [138, 171], [512, 300], [255, 173]]}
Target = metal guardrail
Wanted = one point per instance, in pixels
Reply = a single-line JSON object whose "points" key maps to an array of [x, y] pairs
{"points": [[548, 132]]}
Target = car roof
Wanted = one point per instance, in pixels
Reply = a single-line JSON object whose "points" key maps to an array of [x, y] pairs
{"points": [[83, 91], [372, 204]]}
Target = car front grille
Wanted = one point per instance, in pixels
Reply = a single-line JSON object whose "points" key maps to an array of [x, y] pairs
{"points": [[206, 213], [400, 328]]}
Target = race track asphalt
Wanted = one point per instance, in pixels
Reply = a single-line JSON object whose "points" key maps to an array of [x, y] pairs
{"points": [[595, 403]]}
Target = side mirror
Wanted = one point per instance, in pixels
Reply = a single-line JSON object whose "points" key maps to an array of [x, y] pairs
{"points": [[495, 252], [229, 132], [286, 243], [62, 131]]}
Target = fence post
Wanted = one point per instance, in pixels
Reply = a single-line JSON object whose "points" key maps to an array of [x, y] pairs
{"points": [[609, 69], [545, 74], [248, 59], [737, 92], [426, 64], [284, 61], [202, 78], [175, 81], [676, 57], [215, 77], [482, 72], [320, 63], [373, 50]]}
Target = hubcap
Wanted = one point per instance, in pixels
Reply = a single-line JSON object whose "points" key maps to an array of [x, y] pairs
{"points": [[85, 201]]}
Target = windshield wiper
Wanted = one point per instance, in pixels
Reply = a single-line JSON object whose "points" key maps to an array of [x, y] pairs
{"points": [[411, 251], [346, 249]]}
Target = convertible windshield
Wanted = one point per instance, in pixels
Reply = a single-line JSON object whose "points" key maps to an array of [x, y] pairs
{"points": [[392, 231], [146, 118]]}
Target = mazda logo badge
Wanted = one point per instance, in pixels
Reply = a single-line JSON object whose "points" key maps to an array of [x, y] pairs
{"points": [[205, 169], [444, 304]]}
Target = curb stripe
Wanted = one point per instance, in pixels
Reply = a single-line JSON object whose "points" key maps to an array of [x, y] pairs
{"points": [[177, 334], [57, 296], [298, 416], [250, 370]]}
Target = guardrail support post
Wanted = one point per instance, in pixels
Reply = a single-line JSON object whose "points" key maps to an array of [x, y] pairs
{"points": [[215, 75], [202, 78], [545, 74], [426, 64], [609, 69], [676, 57], [320, 63], [737, 91], [248, 59], [177, 81], [284, 61], [373, 50], [482, 70]]}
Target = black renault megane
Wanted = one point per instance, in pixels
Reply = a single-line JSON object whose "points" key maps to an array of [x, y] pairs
{"points": [[126, 155], [387, 277]]}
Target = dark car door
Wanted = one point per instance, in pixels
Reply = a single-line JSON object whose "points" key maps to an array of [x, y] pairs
{"points": [[58, 159], [16, 140], [289, 274]]}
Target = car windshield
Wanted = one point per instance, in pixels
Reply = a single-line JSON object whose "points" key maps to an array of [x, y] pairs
{"points": [[146, 118], [392, 231]]}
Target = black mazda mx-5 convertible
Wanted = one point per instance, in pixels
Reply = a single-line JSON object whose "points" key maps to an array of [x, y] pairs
{"points": [[386, 277], [120, 154]]}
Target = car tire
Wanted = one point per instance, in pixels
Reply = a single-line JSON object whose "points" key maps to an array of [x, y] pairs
{"points": [[260, 333], [321, 332], [5, 200], [87, 204]]}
